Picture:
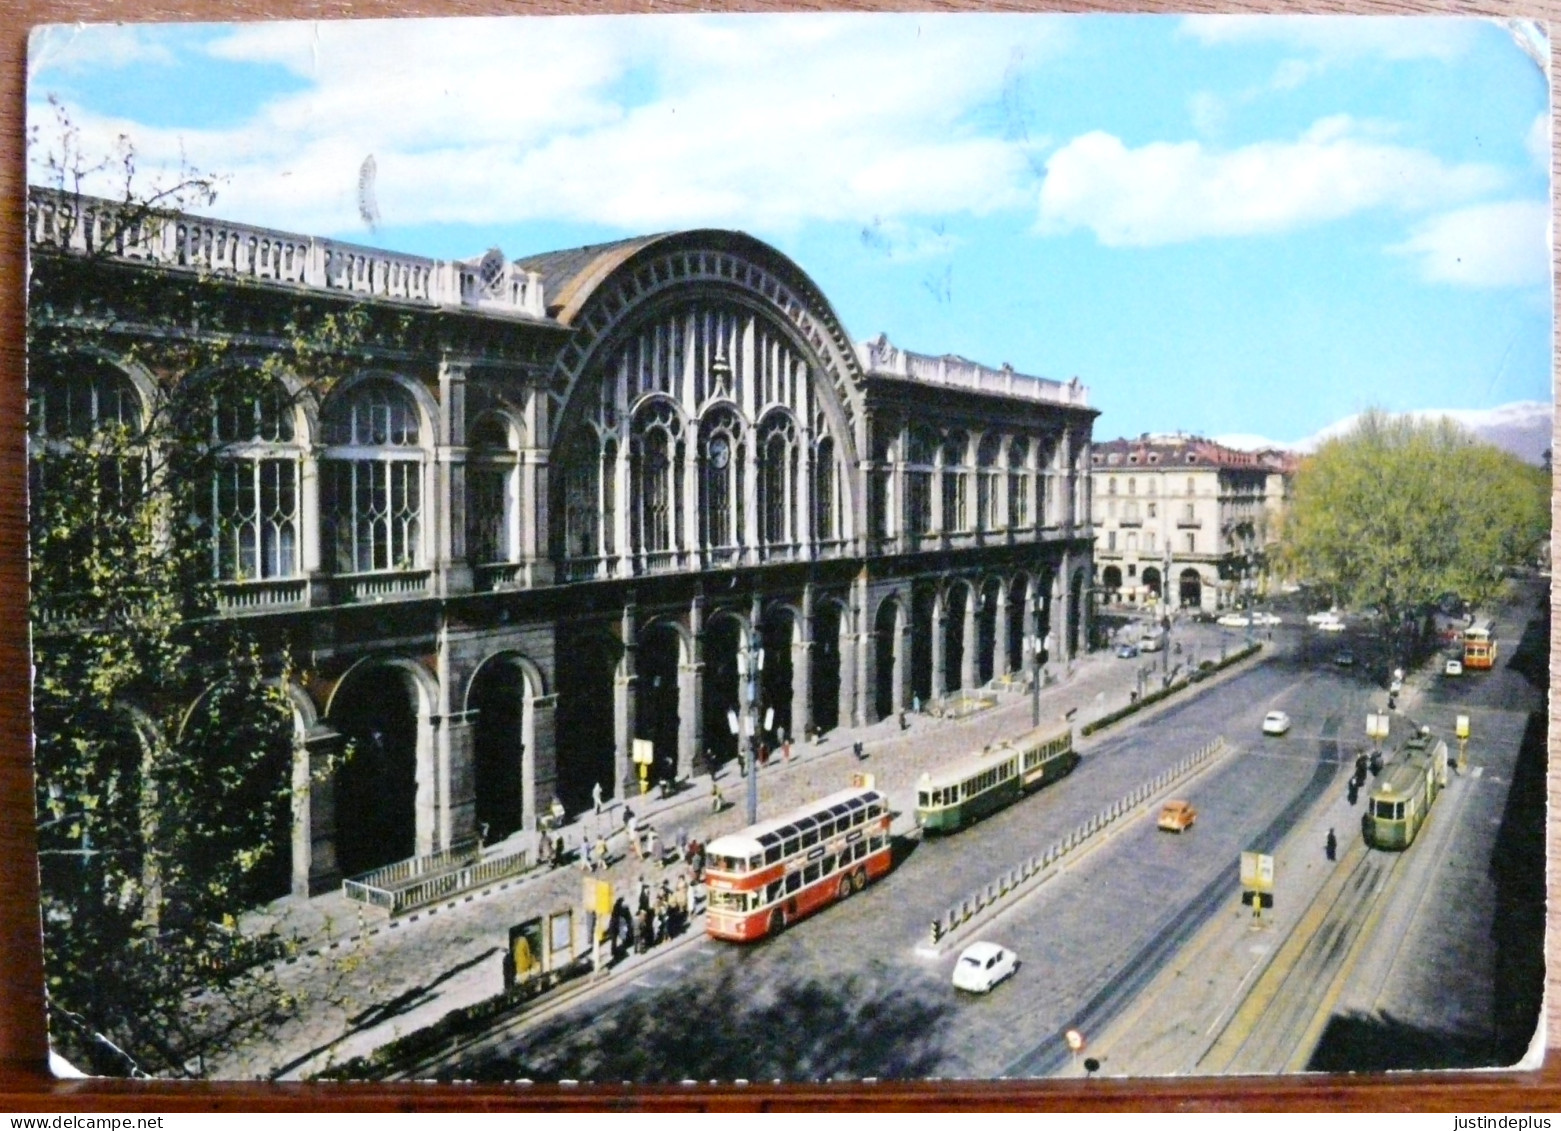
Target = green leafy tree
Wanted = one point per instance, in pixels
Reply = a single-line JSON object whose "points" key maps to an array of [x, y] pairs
{"points": [[164, 732], [1398, 512]]}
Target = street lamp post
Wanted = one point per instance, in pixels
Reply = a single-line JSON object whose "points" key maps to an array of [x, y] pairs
{"points": [[750, 665], [1038, 649]]}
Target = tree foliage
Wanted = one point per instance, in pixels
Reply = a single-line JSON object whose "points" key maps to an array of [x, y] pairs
{"points": [[164, 732], [1399, 512]]}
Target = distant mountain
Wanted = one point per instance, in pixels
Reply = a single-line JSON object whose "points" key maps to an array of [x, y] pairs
{"points": [[1522, 428]]}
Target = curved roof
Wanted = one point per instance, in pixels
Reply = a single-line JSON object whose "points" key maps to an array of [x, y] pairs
{"points": [[572, 275]]}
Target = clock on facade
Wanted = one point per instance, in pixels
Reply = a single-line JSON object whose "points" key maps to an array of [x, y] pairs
{"points": [[720, 453]]}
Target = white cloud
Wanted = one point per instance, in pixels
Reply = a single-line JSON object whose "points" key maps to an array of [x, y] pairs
{"points": [[74, 48], [1487, 245], [1537, 140], [1520, 427], [640, 122], [1333, 37], [1172, 192]]}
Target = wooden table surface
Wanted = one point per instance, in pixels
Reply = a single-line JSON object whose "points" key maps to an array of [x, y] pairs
{"points": [[25, 1084]]}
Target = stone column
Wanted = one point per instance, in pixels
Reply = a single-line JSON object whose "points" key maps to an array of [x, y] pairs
{"points": [[968, 667], [624, 515], [691, 691], [539, 756], [801, 720], [940, 681], [864, 646], [457, 754], [314, 812], [625, 688], [452, 572], [902, 654], [1002, 658]]}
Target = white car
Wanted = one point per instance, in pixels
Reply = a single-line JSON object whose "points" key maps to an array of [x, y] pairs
{"points": [[1234, 620], [1318, 618], [1269, 620], [1454, 667], [982, 965], [1276, 722], [1330, 626]]}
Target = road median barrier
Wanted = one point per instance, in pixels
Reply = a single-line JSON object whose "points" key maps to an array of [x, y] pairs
{"points": [[1166, 692], [960, 920]]}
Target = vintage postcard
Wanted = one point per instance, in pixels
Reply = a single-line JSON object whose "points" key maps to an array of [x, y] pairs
{"points": [[820, 547]]}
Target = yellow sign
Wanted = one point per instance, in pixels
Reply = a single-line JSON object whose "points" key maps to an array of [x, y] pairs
{"points": [[1257, 871], [862, 781], [596, 895]]}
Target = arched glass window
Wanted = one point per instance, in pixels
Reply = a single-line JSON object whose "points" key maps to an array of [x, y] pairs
{"points": [[86, 448], [989, 478], [585, 471], [371, 481], [955, 515], [920, 466], [254, 509], [824, 524], [493, 492], [658, 443], [777, 479], [721, 478], [1018, 483]]}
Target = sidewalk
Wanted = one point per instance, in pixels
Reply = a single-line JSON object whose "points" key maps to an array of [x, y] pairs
{"points": [[362, 981]]}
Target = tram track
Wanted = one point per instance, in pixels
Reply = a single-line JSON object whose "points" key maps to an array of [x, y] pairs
{"points": [[1118, 994], [1281, 1018]]}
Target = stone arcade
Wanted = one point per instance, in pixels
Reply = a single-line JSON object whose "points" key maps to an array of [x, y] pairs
{"points": [[556, 497]]}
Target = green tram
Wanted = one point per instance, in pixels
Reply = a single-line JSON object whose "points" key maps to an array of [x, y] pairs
{"points": [[1401, 802], [948, 801]]}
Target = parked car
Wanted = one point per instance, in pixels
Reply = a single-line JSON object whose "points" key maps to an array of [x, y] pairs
{"points": [[1234, 620], [1276, 722], [1268, 620], [1177, 816], [1454, 667], [1152, 644], [1344, 659], [1319, 618], [1330, 626], [983, 965], [1126, 651]]}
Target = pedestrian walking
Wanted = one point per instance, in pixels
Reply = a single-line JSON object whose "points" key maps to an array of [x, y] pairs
{"points": [[631, 828], [641, 894], [742, 764], [652, 844], [1331, 846], [915, 704], [596, 797], [856, 748], [603, 856], [717, 802], [764, 754], [785, 746]]}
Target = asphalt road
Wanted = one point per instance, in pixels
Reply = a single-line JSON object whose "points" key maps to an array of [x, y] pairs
{"points": [[844, 995]]}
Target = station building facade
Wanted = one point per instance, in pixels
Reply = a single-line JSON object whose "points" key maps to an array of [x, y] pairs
{"points": [[1183, 515], [545, 506]]}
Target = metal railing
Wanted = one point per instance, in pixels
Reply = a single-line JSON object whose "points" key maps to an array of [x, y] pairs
{"points": [[1038, 867]]}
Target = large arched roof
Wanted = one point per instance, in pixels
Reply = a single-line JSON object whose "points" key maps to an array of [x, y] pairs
{"points": [[597, 289]]}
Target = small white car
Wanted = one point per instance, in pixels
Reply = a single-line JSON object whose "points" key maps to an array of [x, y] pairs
{"points": [[1318, 618], [1454, 667], [1234, 620], [982, 965], [1276, 722], [1330, 626], [1268, 620]]}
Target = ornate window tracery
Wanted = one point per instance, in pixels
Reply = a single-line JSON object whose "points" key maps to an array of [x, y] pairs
{"points": [[371, 481], [989, 478], [254, 510], [721, 481], [955, 515], [920, 466], [493, 492], [656, 454], [778, 479], [1019, 482]]}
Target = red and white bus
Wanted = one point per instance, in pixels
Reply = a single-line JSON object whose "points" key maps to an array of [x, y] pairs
{"points": [[778, 871]]}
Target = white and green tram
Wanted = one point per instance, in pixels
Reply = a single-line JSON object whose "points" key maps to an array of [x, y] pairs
{"points": [[951, 799]]}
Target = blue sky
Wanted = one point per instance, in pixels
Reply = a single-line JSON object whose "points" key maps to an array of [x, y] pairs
{"points": [[1238, 226]]}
